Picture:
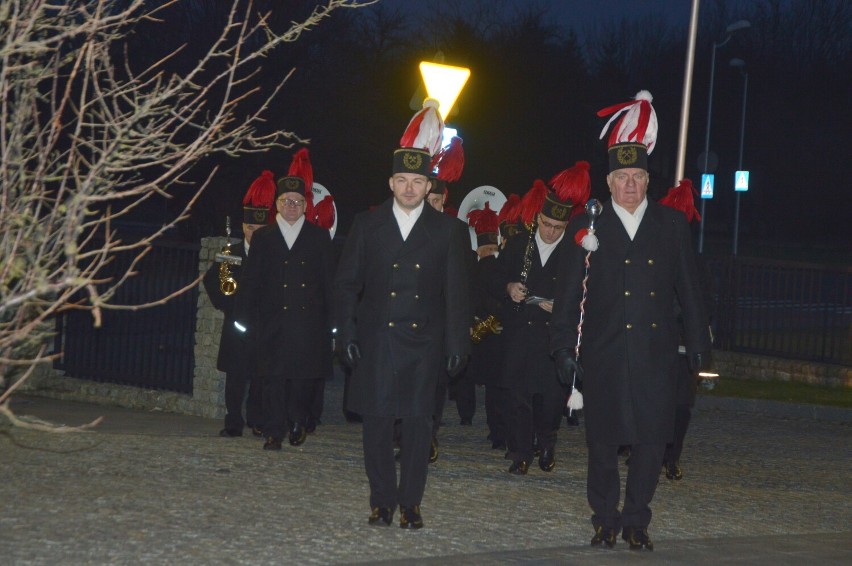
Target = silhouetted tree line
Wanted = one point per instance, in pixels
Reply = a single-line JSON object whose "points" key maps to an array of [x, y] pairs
{"points": [[528, 110]]}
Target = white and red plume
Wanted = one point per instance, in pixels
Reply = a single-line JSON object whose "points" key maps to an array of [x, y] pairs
{"points": [[637, 121], [425, 130]]}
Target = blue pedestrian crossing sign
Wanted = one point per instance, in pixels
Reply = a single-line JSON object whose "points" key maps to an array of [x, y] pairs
{"points": [[741, 181], [707, 185]]}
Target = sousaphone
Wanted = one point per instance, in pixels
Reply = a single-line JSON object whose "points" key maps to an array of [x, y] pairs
{"points": [[475, 200], [319, 193]]}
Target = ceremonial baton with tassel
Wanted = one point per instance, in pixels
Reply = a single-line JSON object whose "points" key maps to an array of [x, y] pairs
{"points": [[590, 244]]}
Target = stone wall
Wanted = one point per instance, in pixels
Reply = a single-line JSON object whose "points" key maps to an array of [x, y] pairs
{"points": [[208, 385], [750, 366]]}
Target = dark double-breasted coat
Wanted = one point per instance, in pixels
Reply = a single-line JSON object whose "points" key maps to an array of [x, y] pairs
{"points": [[406, 304], [526, 330], [287, 302], [630, 333], [234, 354]]}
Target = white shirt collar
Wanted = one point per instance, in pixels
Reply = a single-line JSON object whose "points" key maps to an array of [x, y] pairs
{"points": [[630, 220], [290, 232], [406, 221], [544, 249]]}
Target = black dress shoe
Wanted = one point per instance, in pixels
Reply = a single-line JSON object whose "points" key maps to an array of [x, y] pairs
{"points": [[272, 443], [381, 516], [604, 535], [297, 435], [637, 538], [311, 425], [519, 468], [409, 517], [230, 432], [547, 460], [433, 452], [673, 471]]}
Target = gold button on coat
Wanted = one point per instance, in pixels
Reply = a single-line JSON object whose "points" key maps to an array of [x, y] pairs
{"points": [[627, 261], [629, 326], [393, 294], [650, 262], [390, 324], [414, 325]]}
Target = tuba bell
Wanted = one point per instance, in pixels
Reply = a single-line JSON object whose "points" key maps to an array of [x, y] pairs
{"points": [[475, 200], [225, 259]]}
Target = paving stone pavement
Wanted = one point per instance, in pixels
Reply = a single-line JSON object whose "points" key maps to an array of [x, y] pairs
{"points": [[159, 488]]}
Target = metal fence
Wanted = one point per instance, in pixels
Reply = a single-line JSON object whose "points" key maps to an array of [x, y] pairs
{"points": [[784, 309], [150, 347]]}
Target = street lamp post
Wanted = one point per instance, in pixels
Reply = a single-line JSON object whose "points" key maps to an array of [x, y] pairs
{"points": [[729, 32], [740, 64]]}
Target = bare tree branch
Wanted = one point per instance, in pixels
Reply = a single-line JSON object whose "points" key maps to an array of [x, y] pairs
{"points": [[88, 135]]}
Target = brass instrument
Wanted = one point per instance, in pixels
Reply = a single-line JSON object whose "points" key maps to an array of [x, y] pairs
{"points": [[225, 259], [489, 324], [528, 261]]}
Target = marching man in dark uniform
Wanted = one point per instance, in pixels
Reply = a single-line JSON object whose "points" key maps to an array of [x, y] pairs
{"points": [[286, 308], [640, 259], [487, 352], [235, 359], [447, 167], [402, 319], [682, 198], [527, 275]]}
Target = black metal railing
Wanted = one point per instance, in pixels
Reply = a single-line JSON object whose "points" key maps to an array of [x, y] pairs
{"points": [[149, 347], [784, 309]]}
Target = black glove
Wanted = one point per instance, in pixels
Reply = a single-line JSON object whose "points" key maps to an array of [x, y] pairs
{"points": [[567, 368], [700, 361], [351, 354], [456, 364]]}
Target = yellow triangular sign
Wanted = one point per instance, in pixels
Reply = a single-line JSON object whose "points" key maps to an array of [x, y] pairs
{"points": [[444, 83]]}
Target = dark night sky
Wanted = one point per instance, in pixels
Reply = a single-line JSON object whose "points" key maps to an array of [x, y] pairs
{"points": [[576, 14], [771, 203]]}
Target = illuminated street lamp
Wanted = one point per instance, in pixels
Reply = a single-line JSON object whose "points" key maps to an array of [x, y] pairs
{"points": [[443, 83], [740, 64], [729, 32]]}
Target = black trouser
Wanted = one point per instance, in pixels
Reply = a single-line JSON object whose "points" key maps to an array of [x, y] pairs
{"points": [[285, 401], [236, 384], [533, 414], [465, 394], [440, 401], [496, 407], [317, 401], [683, 414], [603, 484], [415, 441]]}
